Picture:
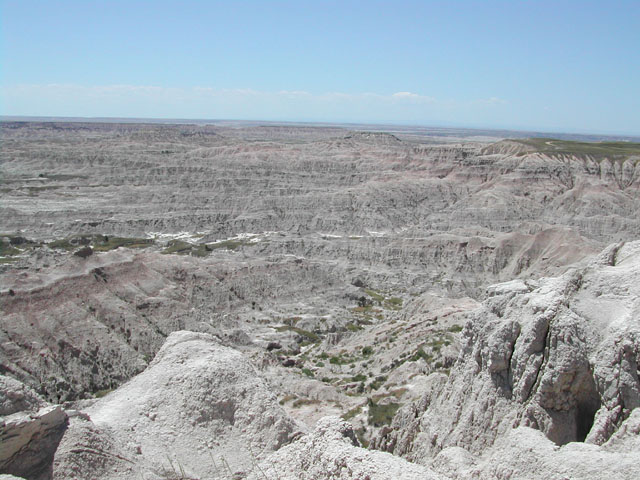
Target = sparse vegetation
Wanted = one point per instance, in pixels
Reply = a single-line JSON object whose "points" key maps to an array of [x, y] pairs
{"points": [[102, 243], [421, 354], [301, 402], [596, 150], [377, 382], [177, 246], [381, 414], [312, 337], [352, 413]]}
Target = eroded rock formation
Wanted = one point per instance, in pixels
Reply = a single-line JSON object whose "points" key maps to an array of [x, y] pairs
{"points": [[198, 406], [559, 355]]}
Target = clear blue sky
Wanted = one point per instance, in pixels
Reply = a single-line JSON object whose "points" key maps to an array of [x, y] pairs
{"points": [[545, 65]]}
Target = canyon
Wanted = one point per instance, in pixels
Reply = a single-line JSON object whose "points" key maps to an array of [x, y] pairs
{"points": [[299, 301]]}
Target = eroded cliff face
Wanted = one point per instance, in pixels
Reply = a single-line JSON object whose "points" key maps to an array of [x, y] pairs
{"points": [[559, 355], [134, 179]]}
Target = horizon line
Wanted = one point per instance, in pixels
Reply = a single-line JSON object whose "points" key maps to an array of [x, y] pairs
{"points": [[213, 121]]}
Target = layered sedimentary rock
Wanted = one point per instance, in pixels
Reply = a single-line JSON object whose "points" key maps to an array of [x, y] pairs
{"points": [[133, 179], [559, 355], [342, 265]]}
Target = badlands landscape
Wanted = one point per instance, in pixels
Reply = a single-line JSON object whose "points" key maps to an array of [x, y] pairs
{"points": [[275, 302]]}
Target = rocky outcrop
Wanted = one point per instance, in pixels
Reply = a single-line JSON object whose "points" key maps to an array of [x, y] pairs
{"points": [[197, 406], [525, 453], [29, 442], [17, 397], [559, 355], [332, 451]]}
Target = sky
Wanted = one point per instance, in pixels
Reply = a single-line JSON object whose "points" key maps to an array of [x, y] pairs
{"points": [[563, 66]]}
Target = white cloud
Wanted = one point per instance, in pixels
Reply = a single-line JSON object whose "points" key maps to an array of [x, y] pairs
{"points": [[491, 101], [413, 96], [232, 103], [405, 95]]}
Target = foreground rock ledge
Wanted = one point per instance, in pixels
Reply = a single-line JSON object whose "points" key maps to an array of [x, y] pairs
{"points": [[197, 408]]}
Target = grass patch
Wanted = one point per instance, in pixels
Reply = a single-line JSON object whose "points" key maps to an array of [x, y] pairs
{"points": [[177, 246], [421, 354], [378, 382], [7, 250], [352, 327], [304, 401], [287, 398], [62, 244], [99, 243], [312, 337], [104, 244], [102, 393], [366, 308], [4, 260], [338, 360], [380, 415], [373, 294], [308, 372], [455, 328], [394, 302], [352, 413], [596, 150]]}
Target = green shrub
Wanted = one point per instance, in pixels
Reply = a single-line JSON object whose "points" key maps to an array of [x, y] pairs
{"points": [[352, 413], [312, 337], [380, 415], [378, 382], [421, 354]]}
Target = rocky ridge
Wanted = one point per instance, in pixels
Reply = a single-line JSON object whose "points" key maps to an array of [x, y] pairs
{"points": [[559, 355]]}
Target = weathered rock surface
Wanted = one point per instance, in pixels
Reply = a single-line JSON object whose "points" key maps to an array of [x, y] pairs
{"points": [[560, 355], [28, 442], [17, 397], [331, 451], [197, 406], [525, 453], [347, 183]]}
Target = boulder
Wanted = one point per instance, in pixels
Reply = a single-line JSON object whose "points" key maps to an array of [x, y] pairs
{"points": [[29, 442]]}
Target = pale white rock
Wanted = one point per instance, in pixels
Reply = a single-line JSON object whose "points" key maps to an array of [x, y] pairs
{"points": [[561, 358], [525, 453], [331, 451], [197, 406]]}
